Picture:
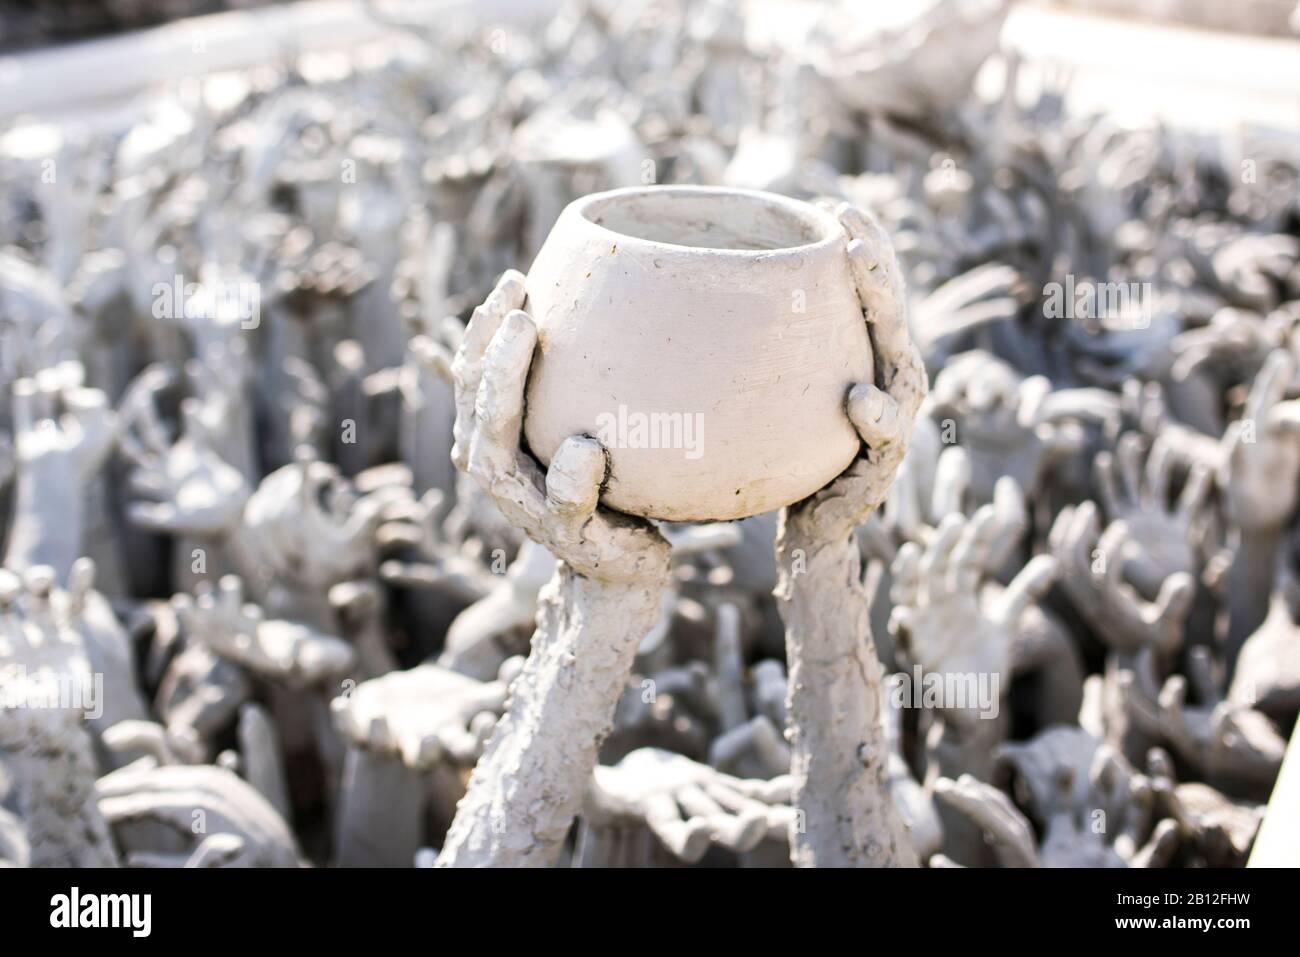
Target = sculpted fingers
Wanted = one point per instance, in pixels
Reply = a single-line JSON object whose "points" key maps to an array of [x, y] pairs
{"points": [[1270, 386], [1028, 586], [992, 811], [874, 414], [573, 481], [938, 557], [499, 405], [906, 571], [688, 839], [467, 366], [883, 297], [970, 557], [951, 482]]}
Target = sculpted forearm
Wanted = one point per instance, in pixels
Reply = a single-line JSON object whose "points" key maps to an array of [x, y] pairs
{"points": [[839, 751], [529, 784]]}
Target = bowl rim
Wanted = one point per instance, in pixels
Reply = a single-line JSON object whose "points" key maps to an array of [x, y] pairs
{"points": [[832, 231]]}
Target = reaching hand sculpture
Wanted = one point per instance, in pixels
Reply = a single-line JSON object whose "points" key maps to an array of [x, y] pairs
{"points": [[305, 529], [308, 527], [239, 632], [944, 622], [993, 813], [1005, 421], [425, 715], [1070, 838], [430, 558], [932, 482], [406, 731], [1167, 537], [1226, 742], [63, 433], [45, 748], [1145, 405], [688, 806], [151, 808], [840, 755], [528, 786], [1267, 675], [184, 487], [482, 636], [1260, 474], [1234, 341], [1091, 806], [1093, 575], [1262, 452]]}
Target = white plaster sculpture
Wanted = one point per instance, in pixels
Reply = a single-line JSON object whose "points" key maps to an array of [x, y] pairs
{"points": [[612, 567], [679, 454], [63, 433], [402, 730], [49, 694], [689, 807], [166, 814], [946, 620], [604, 555]]}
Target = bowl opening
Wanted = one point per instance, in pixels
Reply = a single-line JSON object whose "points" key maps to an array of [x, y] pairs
{"points": [[707, 220]]}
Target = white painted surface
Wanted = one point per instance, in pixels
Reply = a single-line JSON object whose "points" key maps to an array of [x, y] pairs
{"points": [[1134, 71], [669, 309]]}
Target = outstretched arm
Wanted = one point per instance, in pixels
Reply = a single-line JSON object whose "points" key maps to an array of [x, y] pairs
{"points": [[529, 784], [839, 751]]}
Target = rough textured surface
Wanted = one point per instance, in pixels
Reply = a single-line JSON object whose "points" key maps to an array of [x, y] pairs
{"points": [[51, 759], [839, 751], [528, 786]]}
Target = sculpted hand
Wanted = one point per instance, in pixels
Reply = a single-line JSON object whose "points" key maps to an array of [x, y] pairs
{"points": [[1144, 404], [1224, 741], [309, 525], [151, 809], [1010, 425], [62, 434], [1001, 822], [939, 618], [423, 715], [60, 423], [1260, 471], [602, 600], [240, 632], [881, 411], [1249, 269], [931, 483], [1267, 675], [557, 509], [1166, 536], [186, 487], [689, 806], [1093, 575], [1236, 341], [839, 756]]}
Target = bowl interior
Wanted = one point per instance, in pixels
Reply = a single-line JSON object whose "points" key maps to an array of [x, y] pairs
{"points": [[708, 220]]}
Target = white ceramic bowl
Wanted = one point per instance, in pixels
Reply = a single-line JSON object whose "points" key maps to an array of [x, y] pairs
{"points": [[708, 337]]}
